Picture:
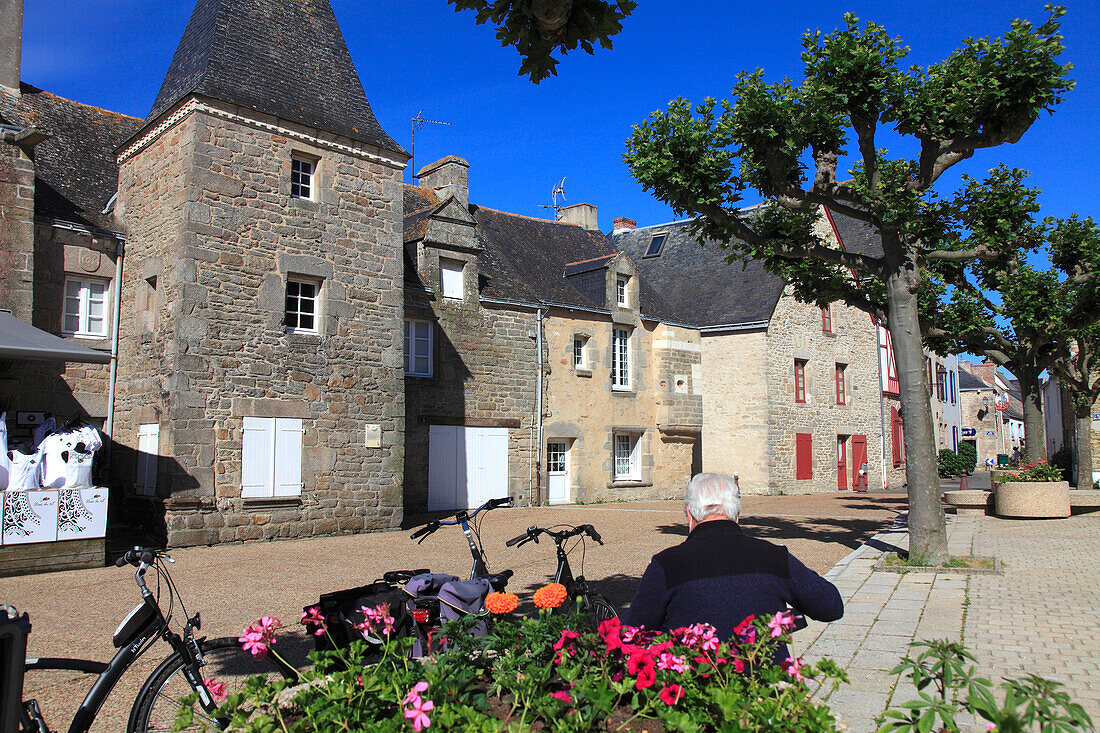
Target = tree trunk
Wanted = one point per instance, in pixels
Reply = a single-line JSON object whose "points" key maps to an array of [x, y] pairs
{"points": [[927, 526], [1083, 420], [1035, 440]]}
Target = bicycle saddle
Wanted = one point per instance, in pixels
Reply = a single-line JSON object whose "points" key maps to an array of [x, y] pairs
{"points": [[499, 581], [402, 576]]}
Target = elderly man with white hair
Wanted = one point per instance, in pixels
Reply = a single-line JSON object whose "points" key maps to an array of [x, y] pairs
{"points": [[720, 576]]}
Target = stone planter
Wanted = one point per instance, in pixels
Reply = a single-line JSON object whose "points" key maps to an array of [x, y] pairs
{"points": [[972, 502], [1033, 499]]}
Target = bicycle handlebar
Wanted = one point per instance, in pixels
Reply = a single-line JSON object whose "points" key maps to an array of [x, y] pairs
{"points": [[137, 557], [461, 516], [560, 536]]}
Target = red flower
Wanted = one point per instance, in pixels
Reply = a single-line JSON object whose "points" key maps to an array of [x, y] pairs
{"points": [[563, 696], [639, 658], [671, 694], [738, 665], [566, 637], [746, 630], [609, 632], [646, 677]]}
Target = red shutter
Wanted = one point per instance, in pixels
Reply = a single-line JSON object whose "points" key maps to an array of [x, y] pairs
{"points": [[803, 456], [897, 437]]}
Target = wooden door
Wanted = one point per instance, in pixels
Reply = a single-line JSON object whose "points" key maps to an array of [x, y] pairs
{"points": [[842, 462]]}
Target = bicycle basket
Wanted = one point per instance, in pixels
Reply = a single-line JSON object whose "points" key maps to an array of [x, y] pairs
{"points": [[341, 611]]}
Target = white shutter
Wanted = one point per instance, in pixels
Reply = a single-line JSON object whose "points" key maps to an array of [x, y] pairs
{"points": [[443, 467], [451, 278], [145, 478], [288, 456], [257, 448]]}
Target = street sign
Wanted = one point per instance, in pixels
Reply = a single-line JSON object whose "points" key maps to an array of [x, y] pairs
{"points": [[989, 462], [969, 432], [990, 432]]}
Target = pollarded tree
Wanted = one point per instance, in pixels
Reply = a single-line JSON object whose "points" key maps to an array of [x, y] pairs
{"points": [[538, 28], [783, 141]]}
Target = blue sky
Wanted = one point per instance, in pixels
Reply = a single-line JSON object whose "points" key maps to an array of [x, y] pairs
{"points": [[521, 138]]}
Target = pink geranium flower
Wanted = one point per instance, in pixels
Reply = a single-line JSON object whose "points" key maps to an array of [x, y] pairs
{"points": [[312, 617], [417, 713], [563, 696], [216, 689], [414, 694], [793, 666], [672, 663]]}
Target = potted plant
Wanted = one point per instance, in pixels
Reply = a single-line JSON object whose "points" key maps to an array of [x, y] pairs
{"points": [[1033, 490]]}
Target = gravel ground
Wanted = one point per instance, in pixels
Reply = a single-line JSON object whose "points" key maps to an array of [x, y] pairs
{"points": [[75, 612]]}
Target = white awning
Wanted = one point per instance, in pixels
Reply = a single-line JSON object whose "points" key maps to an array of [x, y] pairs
{"points": [[22, 341]]}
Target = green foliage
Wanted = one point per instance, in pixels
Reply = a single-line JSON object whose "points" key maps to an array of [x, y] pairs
{"points": [[538, 28], [947, 687], [1063, 461], [968, 456], [951, 464]]}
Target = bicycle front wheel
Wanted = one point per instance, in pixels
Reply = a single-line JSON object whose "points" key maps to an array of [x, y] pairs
{"points": [[592, 608], [159, 701]]}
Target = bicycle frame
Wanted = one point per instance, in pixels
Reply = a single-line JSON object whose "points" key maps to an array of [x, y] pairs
{"points": [[479, 568], [564, 573], [154, 624]]}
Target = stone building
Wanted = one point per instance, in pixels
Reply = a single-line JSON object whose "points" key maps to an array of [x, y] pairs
{"points": [[790, 397], [260, 354], [994, 432]]}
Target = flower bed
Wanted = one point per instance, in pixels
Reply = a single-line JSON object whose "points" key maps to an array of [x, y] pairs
{"points": [[540, 674]]}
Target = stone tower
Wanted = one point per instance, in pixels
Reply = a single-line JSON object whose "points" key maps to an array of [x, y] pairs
{"points": [[260, 368]]}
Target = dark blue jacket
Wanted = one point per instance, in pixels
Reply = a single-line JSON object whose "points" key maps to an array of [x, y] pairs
{"points": [[720, 576]]}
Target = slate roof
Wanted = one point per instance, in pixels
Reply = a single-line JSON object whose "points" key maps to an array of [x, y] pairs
{"points": [[524, 259], [968, 381], [75, 170], [856, 236], [695, 281], [285, 59]]}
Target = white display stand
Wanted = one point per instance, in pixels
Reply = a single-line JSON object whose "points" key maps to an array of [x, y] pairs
{"points": [[82, 514], [30, 516]]}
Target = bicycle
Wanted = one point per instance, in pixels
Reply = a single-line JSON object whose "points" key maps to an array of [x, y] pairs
{"points": [[592, 606], [193, 663], [425, 605]]}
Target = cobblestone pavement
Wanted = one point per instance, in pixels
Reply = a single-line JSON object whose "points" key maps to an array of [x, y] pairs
{"points": [[75, 612], [1038, 617]]}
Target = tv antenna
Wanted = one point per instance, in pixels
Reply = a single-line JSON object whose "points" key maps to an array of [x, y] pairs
{"points": [[559, 189], [417, 123]]}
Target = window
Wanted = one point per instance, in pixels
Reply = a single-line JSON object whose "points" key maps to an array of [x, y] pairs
{"points": [[799, 380], [827, 319], [555, 456], [451, 278], [931, 384], [803, 456], [620, 292], [941, 383], [145, 475], [841, 395], [301, 306], [418, 349], [580, 352], [620, 358], [301, 178], [627, 463], [655, 245], [953, 390], [271, 457], [85, 312]]}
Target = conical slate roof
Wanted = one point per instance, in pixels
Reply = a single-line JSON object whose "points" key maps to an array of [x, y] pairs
{"points": [[285, 58]]}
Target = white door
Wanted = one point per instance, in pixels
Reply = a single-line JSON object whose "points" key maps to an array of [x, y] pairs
{"points": [[557, 471], [466, 466]]}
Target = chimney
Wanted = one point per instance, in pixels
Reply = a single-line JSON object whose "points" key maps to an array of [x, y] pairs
{"points": [[623, 224], [986, 371], [11, 42], [448, 177], [583, 214]]}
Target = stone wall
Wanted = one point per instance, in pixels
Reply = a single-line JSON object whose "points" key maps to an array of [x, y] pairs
{"points": [[984, 419], [586, 412], [214, 235], [17, 232], [735, 408], [795, 332], [485, 374]]}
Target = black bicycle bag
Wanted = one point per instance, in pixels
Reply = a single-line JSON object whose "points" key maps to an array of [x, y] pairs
{"points": [[341, 611]]}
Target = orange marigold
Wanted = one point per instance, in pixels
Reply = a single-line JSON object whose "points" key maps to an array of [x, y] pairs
{"points": [[550, 595], [501, 602]]}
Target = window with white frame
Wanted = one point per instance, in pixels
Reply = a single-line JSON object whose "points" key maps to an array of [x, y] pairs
{"points": [[418, 349], [85, 313], [580, 352], [301, 178], [620, 358], [627, 459], [555, 456], [620, 292], [301, 306], [450, 275], [271, 457]]}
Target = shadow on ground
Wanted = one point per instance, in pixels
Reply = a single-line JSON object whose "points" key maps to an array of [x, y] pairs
{"points": [[842, 531]]}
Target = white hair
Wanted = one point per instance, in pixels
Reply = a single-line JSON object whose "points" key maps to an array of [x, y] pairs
{"points": [[713, 493]]}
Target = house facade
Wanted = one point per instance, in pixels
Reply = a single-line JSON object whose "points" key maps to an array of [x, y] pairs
{"points": [[992, 417]]}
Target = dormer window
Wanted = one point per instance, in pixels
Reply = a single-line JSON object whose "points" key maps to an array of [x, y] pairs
{"points": [[301, 178], [620, 292], [655, 244], [451, 280]]}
